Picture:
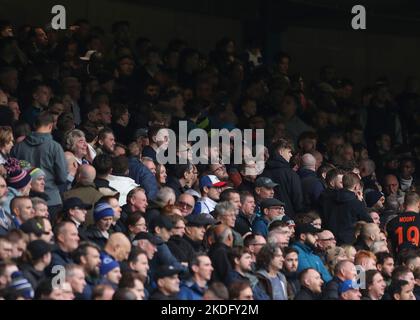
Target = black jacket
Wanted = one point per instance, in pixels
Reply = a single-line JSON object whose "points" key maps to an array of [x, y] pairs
{"points": [[331, 289], [32, 275], [342, 211], [152, 211], [306, 294], [289, 189], [157, 295], [95, 235], [218, 255], [312, 187], [242, 224], [174, 184], [180, 248], [293, 284]]}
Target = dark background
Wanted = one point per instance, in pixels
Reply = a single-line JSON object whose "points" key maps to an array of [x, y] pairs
{"points": [[314, 33]]}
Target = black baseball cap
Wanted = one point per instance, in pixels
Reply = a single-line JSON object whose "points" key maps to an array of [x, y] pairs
{"points": [[306, 228], [38, 248], [265, 182], [164, 271], [32, 226], [148, 236], [72, 203]]}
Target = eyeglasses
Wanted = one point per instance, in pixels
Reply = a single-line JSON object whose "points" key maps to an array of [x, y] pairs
{"points": [[328, 239], [184, 204]]}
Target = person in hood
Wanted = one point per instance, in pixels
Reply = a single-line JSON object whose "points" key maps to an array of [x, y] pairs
{"points": [[43, 152]]}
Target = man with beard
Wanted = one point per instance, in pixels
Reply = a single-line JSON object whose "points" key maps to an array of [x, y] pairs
{"points": [[306, 236], [385, 264], [334, 182], [106, 142], [87, 255], [290, 266]]}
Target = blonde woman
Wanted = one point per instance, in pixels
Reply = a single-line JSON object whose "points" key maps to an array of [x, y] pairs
{"points": [[335, 255]]}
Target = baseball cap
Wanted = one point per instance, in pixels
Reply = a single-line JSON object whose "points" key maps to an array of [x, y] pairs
{"points": [[265, 182], [211, 181], [346, 286], [32, 226], [148, 236], [72, 203], [166, 271], [271, 202], [198, 220], [38, 248], [306, 228], [142, 132]]}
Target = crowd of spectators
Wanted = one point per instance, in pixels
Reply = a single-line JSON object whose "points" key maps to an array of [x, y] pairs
{"points": [[88, 212]]}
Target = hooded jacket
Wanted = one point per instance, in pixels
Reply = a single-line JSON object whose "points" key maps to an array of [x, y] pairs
{"points": [[308, 259], [43, 152], [340, 214], [289, 189], [265, 284]]}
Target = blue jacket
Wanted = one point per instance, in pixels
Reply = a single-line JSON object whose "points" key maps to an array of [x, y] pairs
{"points": [[308, 259], [260, 226], [143, 176], [189, 290]]}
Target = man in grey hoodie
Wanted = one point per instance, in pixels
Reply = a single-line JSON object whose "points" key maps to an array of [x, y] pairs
{"points": [[43, 152]]}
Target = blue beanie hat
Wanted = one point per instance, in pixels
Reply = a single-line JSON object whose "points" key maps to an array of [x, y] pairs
{"points": [[21, 285], [102, 210], [107, 264]]}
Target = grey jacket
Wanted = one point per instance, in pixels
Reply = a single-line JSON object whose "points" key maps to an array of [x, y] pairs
{"points": [[43, 152], [265, 284]]}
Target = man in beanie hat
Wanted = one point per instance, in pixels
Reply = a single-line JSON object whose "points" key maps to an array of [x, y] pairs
{"points": [[19, 184], [21, 286], [99, 232], [38, 184], [375, 200], [110, 271]]}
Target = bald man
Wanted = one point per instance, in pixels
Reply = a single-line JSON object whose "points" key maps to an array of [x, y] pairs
{"points": [[311, 285], [312, 186], [368, 235], [85, 189], [118, 246]]}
